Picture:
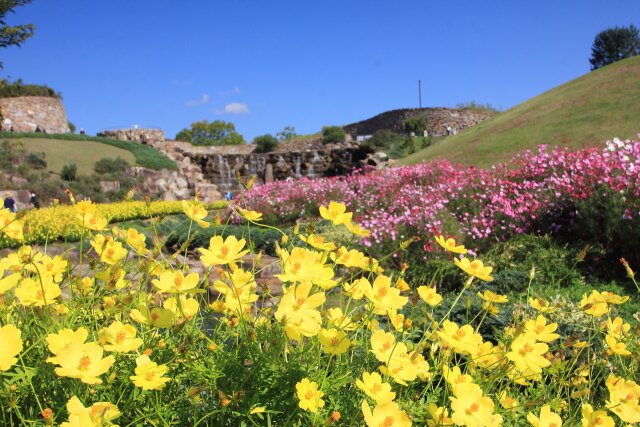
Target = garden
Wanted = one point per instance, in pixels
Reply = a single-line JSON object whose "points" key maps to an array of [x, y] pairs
{"points": [[425, 295]]}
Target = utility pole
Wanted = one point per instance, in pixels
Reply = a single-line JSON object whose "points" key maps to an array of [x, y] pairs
{"points": [[420, 92]]}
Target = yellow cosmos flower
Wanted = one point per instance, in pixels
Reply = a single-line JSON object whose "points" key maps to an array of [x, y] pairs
{"points": [[185, 308], [149, 375], [450, 245], [93, 222], [624, 399], [174, 282], [383, 345], [385, 297], [616, 327], [336, 318], [63, 339], [99, 414], [11, 226], [11, 346], [348, 258], [540, 330], [463, 340], [306, 265], [196, 212], [223, 251], [309, 395], [336, 213], [156, 317], [541, 305], [617, 347], [400, 367], [527, 355], [506, 401], [375, 388], [492, 297], [471, 408], [333, 341], [429, 295], [317, 242], [597, 303], [250, 215], [386, 414], [439, 416], [8, 282], [36, 294], [297, 311], [357, 230], [136, 240], [475, 268], [455, 377], [487, 355], [547, 418], [591, 418], [83, 361], [120, 337], [85, 207], [51, 267], [239, 290], [358, 288]]}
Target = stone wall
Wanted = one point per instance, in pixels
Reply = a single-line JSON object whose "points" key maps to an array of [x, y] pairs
{"points": [[134, 134], [440, 120], [33, 113]]}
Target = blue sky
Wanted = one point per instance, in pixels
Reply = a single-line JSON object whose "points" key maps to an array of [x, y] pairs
{"points": [[264, 65]]}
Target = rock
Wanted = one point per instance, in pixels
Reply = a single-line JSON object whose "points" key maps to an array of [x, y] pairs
{"points": [[268, 173], [109, 186]]}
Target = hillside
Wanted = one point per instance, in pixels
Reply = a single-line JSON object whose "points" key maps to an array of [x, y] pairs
{"points": [[586, 111]]}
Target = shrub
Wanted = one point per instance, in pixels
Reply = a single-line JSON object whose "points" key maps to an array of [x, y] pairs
{"points": [[111, 166], [417, 125], [265, 143], [72, 127], [19, 88], [36, 160], [69, 172], [332, 134]]}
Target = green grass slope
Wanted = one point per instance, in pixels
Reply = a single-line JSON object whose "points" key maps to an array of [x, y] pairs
{"points": [[143, 155], [583, 112]]}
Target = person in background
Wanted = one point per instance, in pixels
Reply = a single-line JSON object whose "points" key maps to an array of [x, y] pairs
{"points": [[34, 201], [9, 203]]}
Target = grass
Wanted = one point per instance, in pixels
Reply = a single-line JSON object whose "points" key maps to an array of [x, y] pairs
{"points": [[583, 112], [83, 153], [144, 155]]}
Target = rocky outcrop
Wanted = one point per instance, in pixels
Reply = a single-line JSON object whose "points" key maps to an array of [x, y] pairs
{"points": [[143, 135], [33, 114], [440, 121]]}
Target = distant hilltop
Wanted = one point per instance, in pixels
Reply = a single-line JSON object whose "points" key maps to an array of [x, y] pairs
{"points": [[440, 121]]}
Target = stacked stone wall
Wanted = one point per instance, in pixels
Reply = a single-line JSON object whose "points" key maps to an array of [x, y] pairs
{"points": [[142, 135], [33, 114]]}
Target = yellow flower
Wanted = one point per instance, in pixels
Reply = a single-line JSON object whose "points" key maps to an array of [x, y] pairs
{"points": [[239, 290], [493, 298], [136, 240], [547, 418], [439, 416], [527, 355], [487, 355], [624, 396], [317, 242], [32, 293], [597, 304], [11, 346], [11, 226], [93, 222], [99, 414], [450, 245], [222, 252], [149, 375], [616, 347], [63, 339], [429, 295], [120, 338], [309, 395], [383, 345], [399, 366], [506, 401], [616, 327], [540, 330], [333, 341], [387, 414], [591, 418], [475, 268], [306, 265], [471, 408], [375, 388], [85, 207], [541, 305], [455, 377], [348, 258], [8, 282], [195, 212], [174, 282], [83, 361], [186, 307], [358, 288], [357, 230], [463, 340], [337, 319], [156, 317], [251, 215], [297, 311], [336, 213], [52, 267], [384, 297]]}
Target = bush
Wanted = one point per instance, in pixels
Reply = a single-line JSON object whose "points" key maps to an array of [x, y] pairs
{"points": [[69, 172], [417, 125], [72, 127], [36, 160], [389, 142], [111, 166], [18, 88], [332, 134], [265, 143]]}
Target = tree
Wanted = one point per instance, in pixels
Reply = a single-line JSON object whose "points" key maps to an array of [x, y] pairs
{"points": [[614, 44], [265, 143], [289, 132], [217, 132], [332, 134], [13, 36], [417, 125]]}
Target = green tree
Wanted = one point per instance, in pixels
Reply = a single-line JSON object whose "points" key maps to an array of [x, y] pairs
{"points": [[13, 36], [217, 132], [265, 143], [614, 44], [417, 125], [332, 134], [289, 132], [69, 172]]}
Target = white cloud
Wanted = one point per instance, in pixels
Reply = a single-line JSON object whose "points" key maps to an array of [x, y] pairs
{"points": [[236, 108], [234, 91], [204, 99]]}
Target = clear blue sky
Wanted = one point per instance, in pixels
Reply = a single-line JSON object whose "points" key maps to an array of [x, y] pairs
{"points": [[264, 65]]}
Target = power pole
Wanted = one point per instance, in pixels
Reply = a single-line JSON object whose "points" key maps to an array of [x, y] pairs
{"points": [[420, 92]]}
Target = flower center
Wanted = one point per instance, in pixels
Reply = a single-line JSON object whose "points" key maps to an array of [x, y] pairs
{"points": [[149, 376], [120, 336], [473, 408], [526, 349], [388, 422], [85, 361], [460, 334]]}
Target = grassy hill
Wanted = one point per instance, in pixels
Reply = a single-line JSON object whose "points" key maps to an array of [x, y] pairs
{"points": [[583, 112]]}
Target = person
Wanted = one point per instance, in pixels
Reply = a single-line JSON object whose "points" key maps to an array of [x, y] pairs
{"points": [[81, 131], [34, 201], [229, 196], [9, 203]]}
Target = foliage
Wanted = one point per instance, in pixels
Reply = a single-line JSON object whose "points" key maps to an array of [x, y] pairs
{"points": [[217, 132], [72, 127], [137, 338], [111, 166], [16, 35], [265, 143], [475, 106], [332, 134], [18, 88], [614, 44], [69, 172], [415, 125], [389, 142], [289, 132], [36, 160], [145, 155]]}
